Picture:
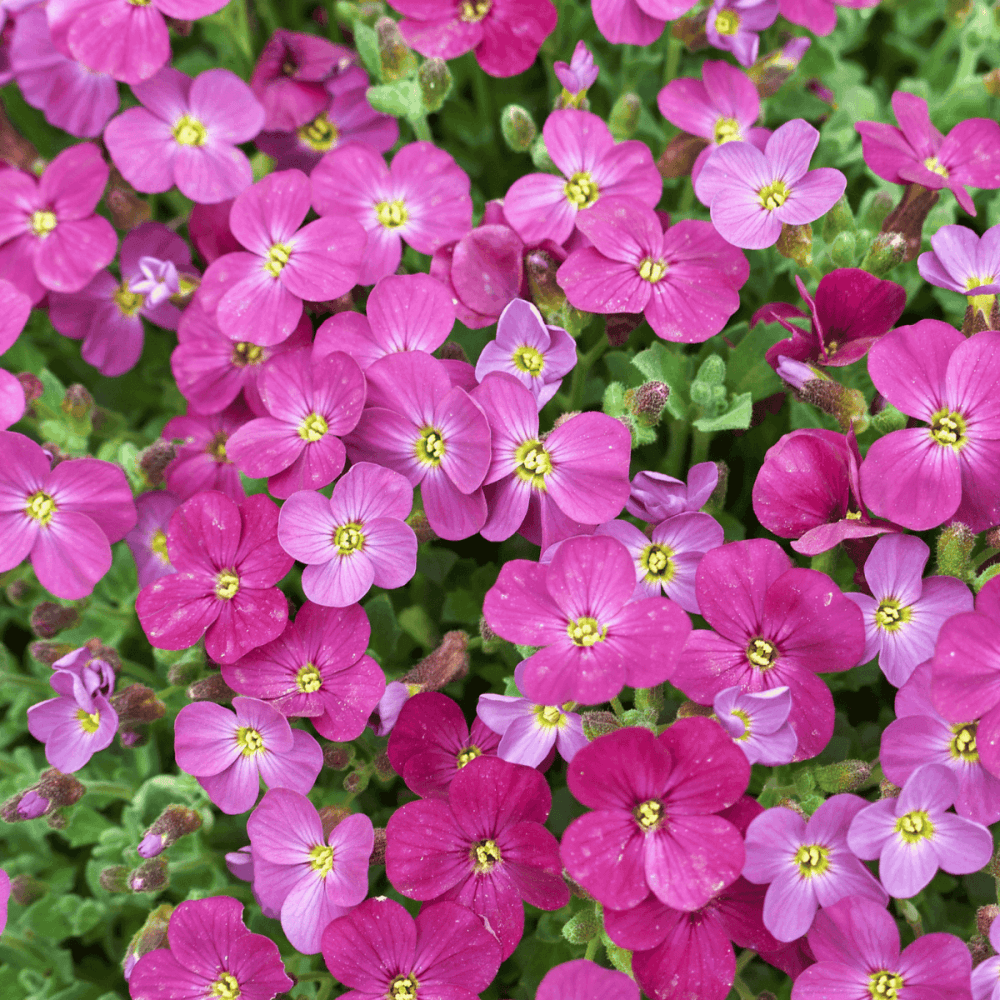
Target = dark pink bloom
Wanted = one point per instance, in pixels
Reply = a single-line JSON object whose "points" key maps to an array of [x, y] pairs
{"points": [[186, 133], [685, 280], [431, 742], [228, 560], [775, 626], [422, 198], [505, 34], [4, 897], [734, 26], [211, 954], [50, 238], [917, 153], [655, 496], [316, 668], [819, 16], [148, 539], [308, 877], [923, 476], [852, 309], [654, 826], [378, 950], [531, 733], [753, 194], [636, 22], [585, 980], [12, 399], [580, 74], [484, 846], [594, 166], [962, 261], [357, 538], [75, 725], [65, 518], [208, 227], [15, 308], [417, 424], [758, 723]]}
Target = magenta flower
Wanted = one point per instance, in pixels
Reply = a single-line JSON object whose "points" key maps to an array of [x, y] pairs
{"points": [[655, 496], [484, 846], [775, 626], [378, 950], [211, 954], [594, 639], [734, 26], [504, 34], [753, 194], [229, 752], [75, 725], [531, 734], [417, 424], [758, 724], [386, 712], [544, 206], [405, 312], [921, 477], [357, 538], [685, 280], [905, 615], [580, 74], [308, 876], [852, 309], [50, 238], [4, 897], [807, 864], [654, 827], [65, 518], [186, 133], [585, 980], [15, 308], [201, 462], [12, 399], [636, 22], [917, 153], [148, 539], [537, 355], [819, 16], [856, 944], [316, 668], [430, 743], [963, 262], [227, 561], [986, 975], [208, 227], [423, 198]]}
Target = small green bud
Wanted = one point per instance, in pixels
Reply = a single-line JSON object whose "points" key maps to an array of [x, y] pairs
{"points": [[887, 251], [840, 219], [582, 927], [398, 62], [149, 937], [114, 879], [846, 776], [795, 243], [518, 128], [357, 781], [712, 370], [888, 419], [954, 547], [643, 717], [624, 117], [338, 756], [435, 83], [844, 249], [620, 958], [878, 211], [540, 157]]}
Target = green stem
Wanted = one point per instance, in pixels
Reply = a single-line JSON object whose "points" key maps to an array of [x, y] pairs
{"points": [[112, 788], [700, 445], [746, 957], [314, 977], [826, 562], [687, 197], [911, 915], [673, 462], [325, 990], [24, 681], [268, 15], [592, 945], [583, 365], [742, 989], [673, 60], [617, 706], [421, 128]]}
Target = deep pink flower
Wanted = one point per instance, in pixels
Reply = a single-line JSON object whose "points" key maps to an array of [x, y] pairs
{"points": [[484, 846], [654, 826], [65, 518], [582, 979], [580, 74], [15, 308], [316, 668], [50, 238], [211, 954], [544, 206], [636, 22], [148, 539], [208, 227], [963, 262], [505, 34], [655, 496], [819, 16], [228, 560], [923, 476], [734, 26], [758, 723], [12, 399], [422, 198]]}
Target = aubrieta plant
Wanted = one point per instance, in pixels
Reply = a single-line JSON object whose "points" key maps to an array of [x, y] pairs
{"points": [[499, 500]]}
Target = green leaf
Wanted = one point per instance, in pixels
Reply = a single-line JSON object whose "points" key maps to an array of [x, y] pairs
{"points": [[366, 42], [417, 623], [85, 826], [401, 99], [613, 403], [659, 363], [385, 627], [736, 418]]}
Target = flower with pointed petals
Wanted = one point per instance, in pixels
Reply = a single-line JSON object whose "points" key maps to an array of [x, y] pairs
{"points": [[579, 74], [758, 723], [636, 22], [655, 496], [529, 732], [734, 26], [148, 539]]}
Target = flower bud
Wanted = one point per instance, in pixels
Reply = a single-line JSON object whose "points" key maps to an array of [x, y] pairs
{"points": [[138, 703], [449, 662], [844, 249], [888, 419], [150, 876], [421, 527], [771, 71], [98, 651], [596, 724], [647, 402], [840, 219], [24, 806], [114, 879], [825, 94], [619, 957], [992, 83], [679, 156], [690, 709], [691, 31], [954, 547], [647, 718], [338, 756], [624, 117], [173, 823], [845, 776], [907, 219], [211, 688], [540, 157], [49, 652], [378, 849], [60, 789], [357, 781], [14, 148], [795, 243], [32, 387], [813, 386], [979, 948], [126, 208], [331, 817], [993, 868], [184, 673], [26, 889], [717, 500], [78, 402], [383, 768], [582, 926], [154, 459], [18, 592], [149, 937], [452, 350], [540, 266], [518, 128], [49, 619], [398, 62], [985, 916], [435, 83], [131, 737], [887, 790]]}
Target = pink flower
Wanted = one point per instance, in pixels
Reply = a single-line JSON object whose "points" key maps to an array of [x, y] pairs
{"points": [[4, 897], [685, 280], [531, 733], [585, 980], [64, 518], [655, 497], [12, 398], [148, 539], [543, 206], [505, 34], [819, 16], [758, 724], [356, 539], [733, 26], [580, 74], [50, 238], [636, 22], [228, 561], [963, 262], [423, 198], [15, 308], [261, 292], [208, 227], [74, 726]]}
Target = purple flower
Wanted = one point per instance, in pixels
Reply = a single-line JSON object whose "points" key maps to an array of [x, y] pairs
{"points": [[856, 944], [537, 355], [654, 827], [903, 618], [64, 518], [229, 752], [921, 477], [734, 26], [187, 133], [580, 74], [656, 496], [422, 198], [530, 732], [775, 626], [228, 560], [543, 206], [484, 846], [685, 280], [15, 308], [378, 950], [201, 462], [386, 712], [636, 22], [74, 726], [594, 638], [316, 668], [852, 309], [308, 876], [211, 954], [917, 153], [582, 979], [986, 975], [417, 424], [963, 262], [50, 238], [83, 675], [357, 538], [4, 897], [753, 194], [758, 723], [807, 864], [819, 16]]}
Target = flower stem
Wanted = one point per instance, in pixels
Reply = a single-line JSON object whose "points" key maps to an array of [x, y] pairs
{"points": [[742, 989], [592, 945], [421, 128], [700, 445], [24, 681], [113, 788], [673, 60], [583, 365], [617, 706], [673, 463]]}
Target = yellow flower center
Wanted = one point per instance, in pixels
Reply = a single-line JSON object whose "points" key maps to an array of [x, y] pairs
{"points": [[313, 428], [727, 22], [463, 757], [227, 584], [762, 654], [320, 134], [727, 130], [745, 719], [975, 282], [42, 223], [225, 987], [527, 359], [774, 195], [581, 190], [429, 447], [277, 257], [308, 679], [948, 429], [403, 988], [889, 615], [549, 716], [349, 538], [392, 214], [934, 165], [586, 631], [649, 814], [158, 543], [129, 303], [532, 464], [249, 741], [217, 447], [474, 10], [321, 859], [485, 854], [915, 826], [246, 354], [190, 132], [88, 723], [657, 562], [652, 270], [812, 859], [41, 507], [885, 985], [963, 743]]}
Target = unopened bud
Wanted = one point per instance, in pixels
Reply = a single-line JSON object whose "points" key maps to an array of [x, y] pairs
{"points": [[811, 385], [153, 461], [452, 350], [31, 386], [795, 243], [60, 789], [957, 11], [338, 756], [992, 538], [26, 889], [985, 916], [992, 83], [845, 776], [18, 592], [618, 327], [149, 937], [624, 117], [49, 619], [840, 219], [540, 157], [182, 28], [691, 31], [540, 266], [131, 737], [138, 703], [691, 709], [184, 673], [679, 156], [126, 208], [449, 662], [435, 83], [357, 781], [421, 527], [888, 419], [211, 688], [824, 93], [954, 547], [647, 402], [518, 128], [150, 876], [78, 402], [597, 724], [114, 879], [645, 718], [979, 948], [378, 848], [24, 806], [844, 249], [887, 790], [771, 71], [98, 651], [398, 62], [582, 926], [383, 768], [907, 220], [331, 817], [174, 822]]}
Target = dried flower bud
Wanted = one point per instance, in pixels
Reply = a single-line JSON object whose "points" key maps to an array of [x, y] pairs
{"points": [[795, 243], [691, 31], [127, 209], [679, 156], [992, 538], [32, 387], [518, 128], [908, 219], [18, 592], [378, 850], [211, 688], [398, 62], [985, 916], [173, 823], [435, 83], [421, 527], [596, 724], [138, 703], [887, 790], [60, 789], [954, 547], [114, 879], [77, 402], [338, 756], [452, 350], [49, 652], [449, 662], [331, 816], [813, 386], [153, 461], [149, 937], [24, 806], [624, 117], [845, 776], [648, 401], [619, 326], [771, 71], [992, 83], [150, 876], [49, 619], [26, 889], [183, 673], [979, 948]]}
